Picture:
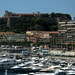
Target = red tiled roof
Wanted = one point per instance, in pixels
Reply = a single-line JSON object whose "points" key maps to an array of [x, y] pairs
{"points": [[36, 31], [55, 32], [21, 14], [24, 14], [52, 32]]}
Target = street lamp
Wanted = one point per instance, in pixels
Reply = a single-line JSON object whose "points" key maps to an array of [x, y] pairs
{"points": [[72, 44], [53, 40], [61, 44]]}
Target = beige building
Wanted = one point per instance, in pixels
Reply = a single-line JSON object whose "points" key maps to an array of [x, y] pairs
{"points": [[66, 32], [42, 36]]}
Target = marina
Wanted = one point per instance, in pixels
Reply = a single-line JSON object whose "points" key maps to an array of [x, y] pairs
{"points": [[40, 66], [36, 61], [37, 37]]}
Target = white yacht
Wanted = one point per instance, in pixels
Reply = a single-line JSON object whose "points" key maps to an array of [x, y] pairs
{"points": [[71, 73], [7, 63], [32, 68], [53, 68], [27, 66], [19, 67]]}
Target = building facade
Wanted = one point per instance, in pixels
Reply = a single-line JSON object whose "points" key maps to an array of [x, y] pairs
{"points": [[66, 32], [42, 36], [10, 14]]}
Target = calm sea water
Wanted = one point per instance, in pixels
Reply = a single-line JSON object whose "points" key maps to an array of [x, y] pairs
{"points": [[6, 72]]}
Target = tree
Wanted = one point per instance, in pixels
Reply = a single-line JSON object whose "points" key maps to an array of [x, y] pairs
{"points": [[45, 15], [39, 21], [52, 15]]}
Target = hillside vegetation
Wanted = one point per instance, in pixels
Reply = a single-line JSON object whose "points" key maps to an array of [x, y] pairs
{"points": [[47, 22]]}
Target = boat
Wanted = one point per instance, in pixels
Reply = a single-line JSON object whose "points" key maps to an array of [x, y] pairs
{"points": [[73, 73], [7, 63], [51, 69], [63, 71], [32, 67]]}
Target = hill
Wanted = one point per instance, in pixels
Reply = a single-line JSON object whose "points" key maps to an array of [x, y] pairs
{"points": [[45, 22]]}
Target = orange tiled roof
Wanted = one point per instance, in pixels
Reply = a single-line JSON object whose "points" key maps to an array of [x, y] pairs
{"points": [[21, 14], [52, 32], [45, 32], [24, 14]]}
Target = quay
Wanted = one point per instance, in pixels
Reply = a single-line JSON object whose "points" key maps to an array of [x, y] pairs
{"points": [[57, 54], [67, 55]]}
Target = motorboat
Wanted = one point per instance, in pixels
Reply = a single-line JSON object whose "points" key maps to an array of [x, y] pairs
{"points": [[72, 73], [63, 70], [22, 65], [32, 67], [31, 73], [7, 63], [51, 68]]}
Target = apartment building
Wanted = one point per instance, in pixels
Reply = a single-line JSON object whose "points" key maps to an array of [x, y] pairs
{"points": [[66, 32]]}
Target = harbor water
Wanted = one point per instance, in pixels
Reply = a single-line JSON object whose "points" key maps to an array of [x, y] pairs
{"points": [[6, 72]]}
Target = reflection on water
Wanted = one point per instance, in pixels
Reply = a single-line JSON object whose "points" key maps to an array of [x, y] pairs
{"points": [[6, 72]]}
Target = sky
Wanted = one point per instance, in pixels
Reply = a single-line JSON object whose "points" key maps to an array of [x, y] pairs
{"points": [[44, 6]]}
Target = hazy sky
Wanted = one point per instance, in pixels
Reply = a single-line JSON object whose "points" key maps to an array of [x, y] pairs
{"points": [[44, 6]]}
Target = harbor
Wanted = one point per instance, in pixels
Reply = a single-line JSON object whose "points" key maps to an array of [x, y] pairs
{"points": [[37, 37], [41, 66], [36, 61]]}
